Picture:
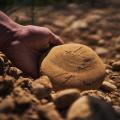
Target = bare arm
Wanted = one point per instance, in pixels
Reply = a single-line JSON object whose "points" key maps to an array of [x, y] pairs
{"points": [[7, 29]]}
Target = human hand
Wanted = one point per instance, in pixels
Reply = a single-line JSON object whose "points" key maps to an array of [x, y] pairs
{"points": [[25, 47]]}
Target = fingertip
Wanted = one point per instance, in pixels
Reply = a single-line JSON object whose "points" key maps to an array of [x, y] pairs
{"points": [[58, 40], [55, 40]]}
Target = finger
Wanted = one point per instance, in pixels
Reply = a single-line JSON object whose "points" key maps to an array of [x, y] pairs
{"points": [[58, 40], [55, 40]]}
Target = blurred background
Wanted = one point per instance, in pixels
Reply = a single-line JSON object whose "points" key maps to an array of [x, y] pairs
{"points": [[92, 22]]}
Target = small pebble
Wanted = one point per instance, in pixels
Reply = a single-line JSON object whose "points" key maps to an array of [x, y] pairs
{"points": [[49, 112], [101, 42], [117, 108], [107, 86], [101, 51], [30, 114], [116, 66], [22, 98], [24, 83], [90, 108], [108, 35], [42, 87], [79, 24], [65, 98], [117, 48], [93, 39], [15, 72], [110, 81], [7, 104], [6, 84], [44, 101], [108, 71]]}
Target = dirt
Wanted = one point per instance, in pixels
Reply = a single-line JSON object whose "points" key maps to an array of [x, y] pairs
{"points": [[97, 27]]}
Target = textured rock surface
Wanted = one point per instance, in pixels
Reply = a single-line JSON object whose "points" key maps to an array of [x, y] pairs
{"points": [[74, 65], [85, 108], [63, 99]]}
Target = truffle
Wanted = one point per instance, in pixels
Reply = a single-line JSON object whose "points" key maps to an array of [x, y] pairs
{"points": [[73, 66]]}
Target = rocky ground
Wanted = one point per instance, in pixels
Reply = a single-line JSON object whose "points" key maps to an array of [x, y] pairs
{"points": [[22, 98]]}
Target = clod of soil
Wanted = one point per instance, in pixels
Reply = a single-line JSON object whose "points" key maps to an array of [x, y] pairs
{"points": [[23, 99], [74, 66], [6, 85], [7, 104], [42, 87], [16, 73], [90, 108], [49, 112]]}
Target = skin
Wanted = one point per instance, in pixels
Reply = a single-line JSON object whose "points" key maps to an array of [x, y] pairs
{"points": [[23, 44]]}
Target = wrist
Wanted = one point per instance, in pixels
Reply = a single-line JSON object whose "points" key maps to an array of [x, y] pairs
{"points": [[8, 30], [8, 33]]}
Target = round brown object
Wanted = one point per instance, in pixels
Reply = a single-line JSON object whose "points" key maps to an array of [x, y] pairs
{"points": [[74, 66], [90, 108]]}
